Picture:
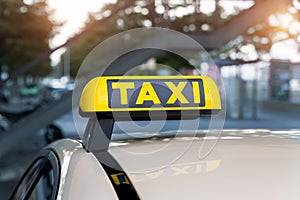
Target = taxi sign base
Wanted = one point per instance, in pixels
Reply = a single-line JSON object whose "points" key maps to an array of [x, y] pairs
{"points": [[98, 134], [152, 115]]}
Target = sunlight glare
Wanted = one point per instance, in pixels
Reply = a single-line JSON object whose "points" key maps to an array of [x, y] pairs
{"points": [[287, 49], [285, 19], [74, 13]]}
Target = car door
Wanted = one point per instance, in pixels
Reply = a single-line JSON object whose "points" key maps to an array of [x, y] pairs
{"points": [[40, 181]]}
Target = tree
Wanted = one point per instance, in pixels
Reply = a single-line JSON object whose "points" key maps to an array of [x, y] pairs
{"points": [[134, 14], [184, 16], [25, 30], [279, 27]]}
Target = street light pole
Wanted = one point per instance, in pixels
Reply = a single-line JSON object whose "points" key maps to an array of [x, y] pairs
{"points": [[67, 63]]}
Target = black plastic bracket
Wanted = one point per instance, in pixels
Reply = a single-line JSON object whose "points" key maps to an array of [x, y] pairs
{"points": [[98, 134]]}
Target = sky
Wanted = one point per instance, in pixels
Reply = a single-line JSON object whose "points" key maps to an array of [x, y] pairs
{"points": [[74, 13]]}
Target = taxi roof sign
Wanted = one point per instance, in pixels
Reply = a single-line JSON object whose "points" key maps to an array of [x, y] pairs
{"points": [[139, 94]]}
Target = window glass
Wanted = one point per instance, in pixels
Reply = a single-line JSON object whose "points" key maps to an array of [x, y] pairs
{"points": [[38, 183], [44, 188]]}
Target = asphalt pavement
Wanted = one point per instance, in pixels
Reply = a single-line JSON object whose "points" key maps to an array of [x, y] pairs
{"points": [[14, 163], [270, 115]]}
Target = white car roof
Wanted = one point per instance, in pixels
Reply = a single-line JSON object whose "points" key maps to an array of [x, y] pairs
{"points": [[240, 166]]}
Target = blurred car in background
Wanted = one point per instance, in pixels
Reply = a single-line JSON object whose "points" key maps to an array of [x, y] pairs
{"points": [[31, 94], [56, 87], [64, 127]]}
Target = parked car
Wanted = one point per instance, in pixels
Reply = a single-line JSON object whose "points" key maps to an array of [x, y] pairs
{"points": [[161, 165]]}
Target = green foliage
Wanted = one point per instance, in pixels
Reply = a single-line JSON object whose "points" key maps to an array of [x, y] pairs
{"points": [[24, 34], [136, 14], [173, 60], [140, 13]]}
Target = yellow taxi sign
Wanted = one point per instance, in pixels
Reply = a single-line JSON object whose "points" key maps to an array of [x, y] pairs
{"points": [[150, 93]]}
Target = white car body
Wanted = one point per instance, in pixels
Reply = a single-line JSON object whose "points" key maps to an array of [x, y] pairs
{"points": [[242, 165]]}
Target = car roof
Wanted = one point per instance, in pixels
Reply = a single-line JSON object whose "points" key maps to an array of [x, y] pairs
{"points": [[260, 165], [239, 166]]}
